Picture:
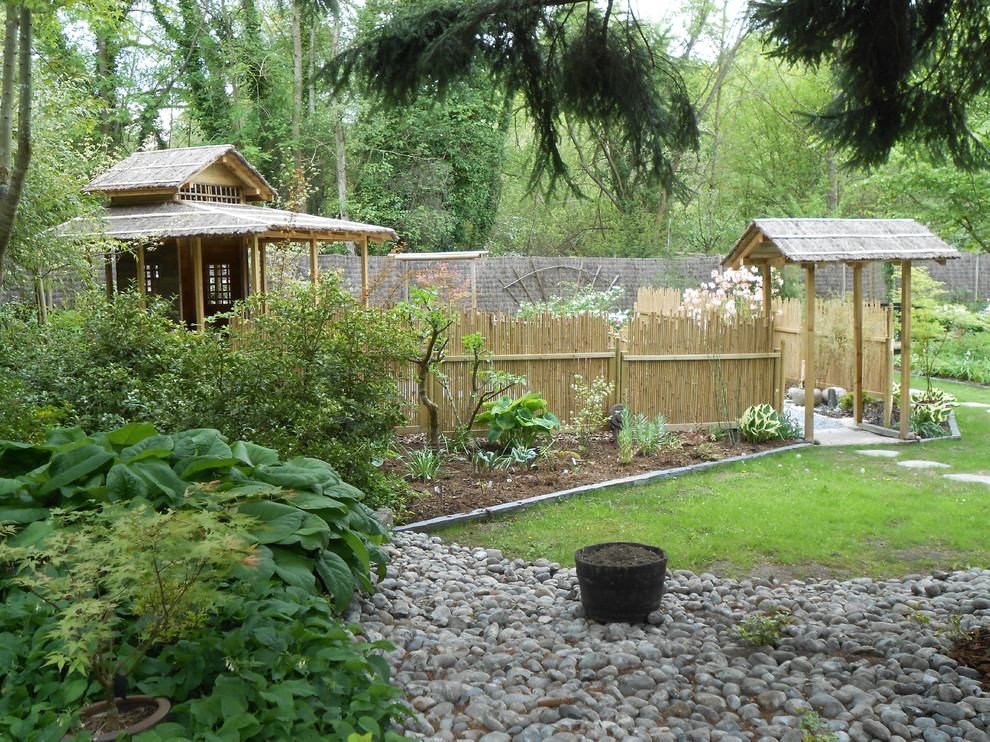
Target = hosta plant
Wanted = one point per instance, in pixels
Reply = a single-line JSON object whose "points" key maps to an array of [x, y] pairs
{"points": [[518, 422], [759, 423], [313, 530]]}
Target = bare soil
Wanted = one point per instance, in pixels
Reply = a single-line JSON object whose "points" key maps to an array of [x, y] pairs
{"points": [[974, 651], [461, 488], [620, 555]]}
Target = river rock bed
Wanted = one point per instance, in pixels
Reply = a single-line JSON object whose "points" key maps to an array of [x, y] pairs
{"points": [[499, 651]]}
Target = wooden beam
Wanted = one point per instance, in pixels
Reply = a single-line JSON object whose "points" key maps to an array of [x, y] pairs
{"points": [[810, 350], [197, 274], [314, 262], [904, 404], [858, 343], [365, 284]]}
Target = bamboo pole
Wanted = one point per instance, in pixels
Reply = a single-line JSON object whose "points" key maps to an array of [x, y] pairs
{"points": [[197, 261], [810, 350], [263, 265], [904, 405], [858, 343]]}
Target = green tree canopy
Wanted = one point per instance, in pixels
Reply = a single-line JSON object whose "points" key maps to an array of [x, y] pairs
{"points": [[907, 71], [559, 57]]}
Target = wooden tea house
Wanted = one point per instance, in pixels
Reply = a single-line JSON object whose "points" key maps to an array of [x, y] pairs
{"points": [[197, 233]]}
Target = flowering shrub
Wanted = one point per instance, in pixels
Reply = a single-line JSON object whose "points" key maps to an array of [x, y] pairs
{"points": [[733, 292], [588, 301]]}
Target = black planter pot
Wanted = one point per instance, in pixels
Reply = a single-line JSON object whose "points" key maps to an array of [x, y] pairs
{"points": [[620, 581], [158, 709]]}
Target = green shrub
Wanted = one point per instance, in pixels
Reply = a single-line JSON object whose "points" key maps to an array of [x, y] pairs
{"points": [[518, 422], [312, 374], [271, 663], [759, 423], [315, 532]]}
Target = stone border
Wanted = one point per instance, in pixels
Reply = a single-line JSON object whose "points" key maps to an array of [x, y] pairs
{"points": [[635, 481], [954, 434]]}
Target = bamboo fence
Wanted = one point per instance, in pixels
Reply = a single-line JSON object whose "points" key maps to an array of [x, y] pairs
{"points": [[835, 358], [692, 370]]}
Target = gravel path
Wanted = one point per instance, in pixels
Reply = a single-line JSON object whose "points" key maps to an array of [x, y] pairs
{"points": [[496, 650]]}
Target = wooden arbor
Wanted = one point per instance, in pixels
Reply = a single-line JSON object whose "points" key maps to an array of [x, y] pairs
{"points": [[192, 205], [855, 242]]}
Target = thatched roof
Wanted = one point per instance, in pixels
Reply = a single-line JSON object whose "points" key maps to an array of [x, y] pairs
{"points": [[837, 241], [169, 169], [173, 219]]}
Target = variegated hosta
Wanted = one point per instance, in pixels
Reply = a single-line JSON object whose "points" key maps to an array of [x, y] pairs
{"points": [[759, 423]]}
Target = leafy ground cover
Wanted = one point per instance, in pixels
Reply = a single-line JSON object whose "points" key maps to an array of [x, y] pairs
{"points": [[814, 512]]}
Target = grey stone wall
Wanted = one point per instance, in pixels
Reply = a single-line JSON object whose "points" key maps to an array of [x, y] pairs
{"points": [[503, 283]]}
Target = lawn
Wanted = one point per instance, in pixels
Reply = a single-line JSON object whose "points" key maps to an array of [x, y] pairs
{"points": [[824, 512]]}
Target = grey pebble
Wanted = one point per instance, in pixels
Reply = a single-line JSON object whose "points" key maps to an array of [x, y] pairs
{"points": [[499, 650]]}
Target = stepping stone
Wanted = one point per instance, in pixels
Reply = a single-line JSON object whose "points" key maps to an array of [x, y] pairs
{"points": [[974, 404], [978, 478], [921, 464], [884, 453]]}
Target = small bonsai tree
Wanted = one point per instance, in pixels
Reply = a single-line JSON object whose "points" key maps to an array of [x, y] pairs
{"points": [[125, 578]]}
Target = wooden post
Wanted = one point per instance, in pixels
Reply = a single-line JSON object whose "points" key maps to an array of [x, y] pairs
{"points": [[810, 350], [888, 381], [778, 379], [111, 259], [766, 289], [474, 283], [314, 264], [139, 270], [904, 404], [197, 275], [263, 266], [255, 266], [858, 342], [365, 285]]}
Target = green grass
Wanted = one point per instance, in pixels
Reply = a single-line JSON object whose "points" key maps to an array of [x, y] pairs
{"points": [[817, 511]]}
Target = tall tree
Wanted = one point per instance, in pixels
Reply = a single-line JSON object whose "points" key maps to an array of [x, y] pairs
{"points": [[907, 71], [16, 87]]}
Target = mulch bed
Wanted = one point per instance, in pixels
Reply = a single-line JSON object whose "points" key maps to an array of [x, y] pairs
{"points": [[974, 651], [461, 488]]}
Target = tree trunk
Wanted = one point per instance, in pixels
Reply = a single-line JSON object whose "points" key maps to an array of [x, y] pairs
{"points": [[297, 86], [340, 149], [833, 181], [12, 182]]}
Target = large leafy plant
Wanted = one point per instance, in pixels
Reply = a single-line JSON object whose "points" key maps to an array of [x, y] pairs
{"points": [[313, 531], [122, 579], [518, 422]]}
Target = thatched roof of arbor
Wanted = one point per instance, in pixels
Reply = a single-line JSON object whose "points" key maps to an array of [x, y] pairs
{"points": [[779, 241], [175, 219], [170, 169]]}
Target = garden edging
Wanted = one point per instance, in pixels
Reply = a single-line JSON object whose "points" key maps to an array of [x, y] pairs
{"points": [[635, 480]]}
